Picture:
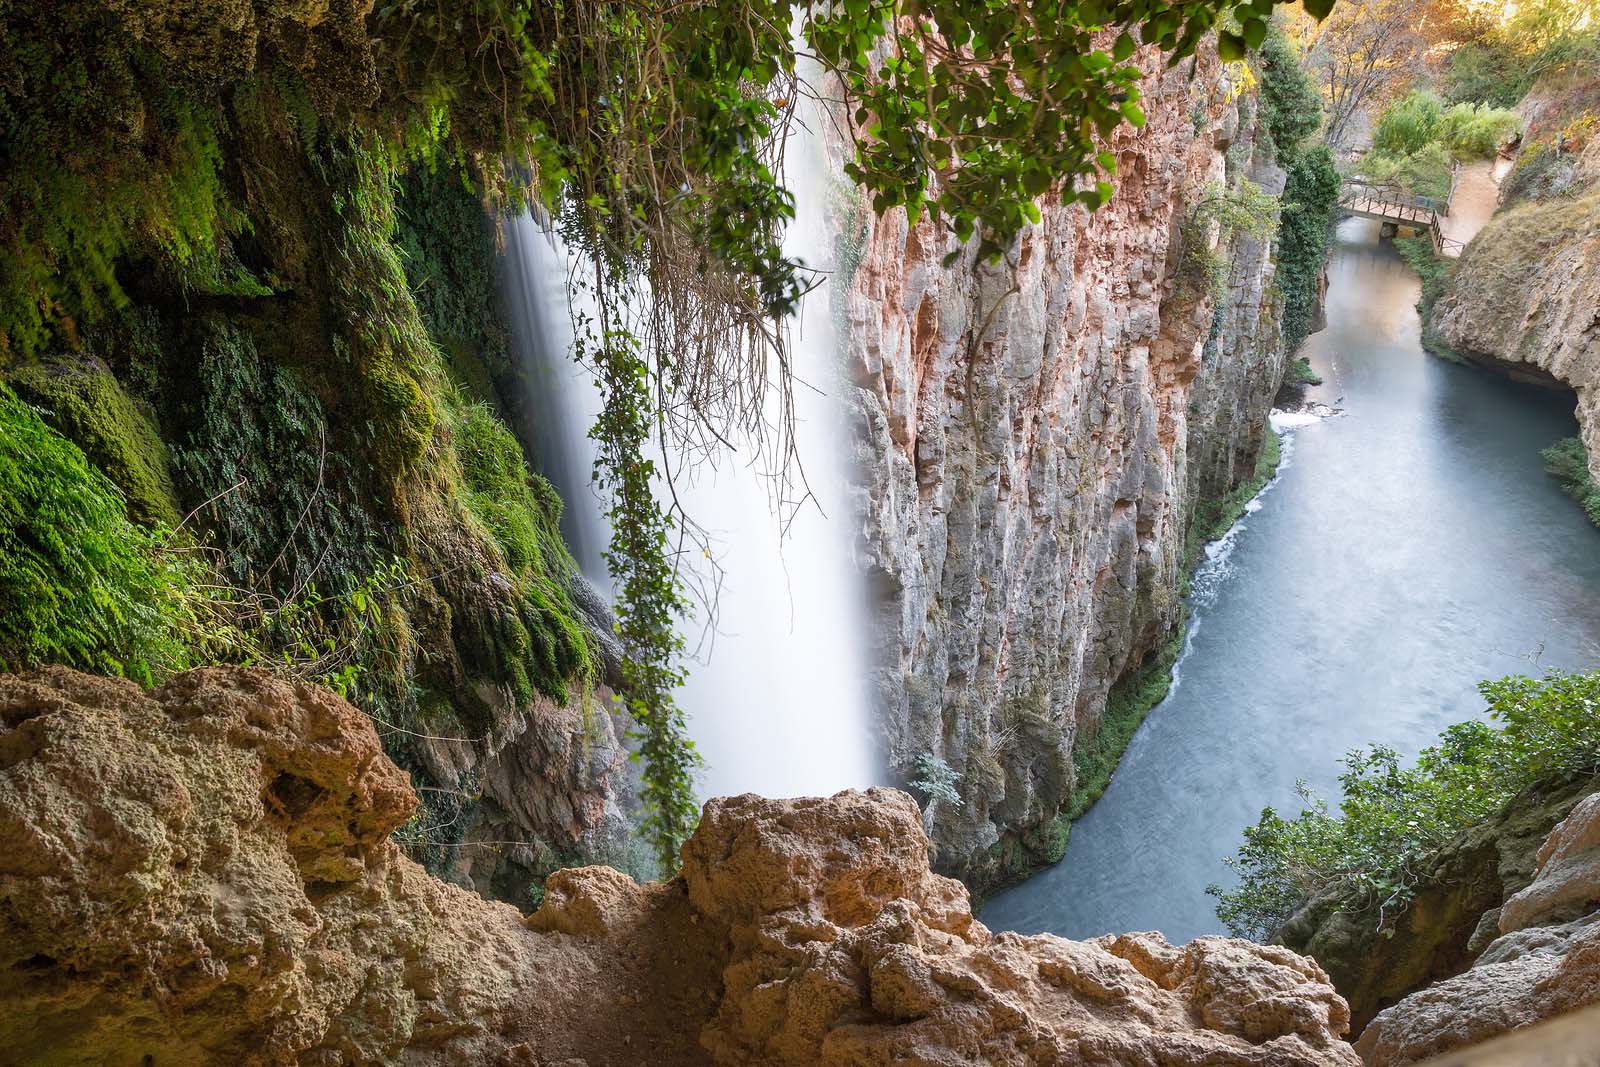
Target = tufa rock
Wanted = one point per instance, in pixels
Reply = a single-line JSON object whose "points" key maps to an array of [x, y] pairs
{"points": [[202, 873]]}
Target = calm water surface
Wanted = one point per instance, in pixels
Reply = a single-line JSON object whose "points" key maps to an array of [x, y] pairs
{"points": [[1411, 546]]}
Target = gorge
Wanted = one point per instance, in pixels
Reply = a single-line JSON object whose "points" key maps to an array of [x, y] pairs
{"points": [[1409, 546], [557, 535]]}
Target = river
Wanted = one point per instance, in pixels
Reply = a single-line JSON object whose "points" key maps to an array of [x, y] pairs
{"points": [[1410, 546]]}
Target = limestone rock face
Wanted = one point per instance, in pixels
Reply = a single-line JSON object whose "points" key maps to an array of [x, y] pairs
{"points": [[1546, 961], [1025, 431], [1525, 297], [202, 874]]}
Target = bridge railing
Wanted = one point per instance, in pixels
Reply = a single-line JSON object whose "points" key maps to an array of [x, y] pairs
{"points": [[1394, 194]]}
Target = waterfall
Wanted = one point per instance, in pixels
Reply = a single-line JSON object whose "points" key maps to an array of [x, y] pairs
{"points": [[561, 398], [776, 693]]}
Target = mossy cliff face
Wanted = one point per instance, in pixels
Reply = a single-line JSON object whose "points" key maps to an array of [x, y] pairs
{"points": [[1034, 436], [204, 873], [214, 298]]}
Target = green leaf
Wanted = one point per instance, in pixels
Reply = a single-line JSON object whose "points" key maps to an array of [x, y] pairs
{"points": [[1230, 46]]}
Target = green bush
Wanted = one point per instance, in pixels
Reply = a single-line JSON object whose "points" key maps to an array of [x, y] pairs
{"points": [[1484, 72], [1477, 131], [1419, 138], [1421, 118], [79, 583], [1309, 196], [1291, 113], [1291, 107], [1568, 462], [1409, 124], [1393, 819], [1425, 172]]}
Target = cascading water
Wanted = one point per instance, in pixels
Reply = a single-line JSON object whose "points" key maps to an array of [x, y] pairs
{"points": [[561, 399], [776, 694]]}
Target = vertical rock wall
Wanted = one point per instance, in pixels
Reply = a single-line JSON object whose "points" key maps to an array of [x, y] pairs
{"points": [[1026, 430]]}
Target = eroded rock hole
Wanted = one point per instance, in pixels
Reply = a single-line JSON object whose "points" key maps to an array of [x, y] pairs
{"points": [[293, 795]]}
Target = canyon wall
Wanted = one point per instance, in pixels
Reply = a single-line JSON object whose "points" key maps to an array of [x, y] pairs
{"points": [[1035, 435], [1524, 298], [204, 873]]}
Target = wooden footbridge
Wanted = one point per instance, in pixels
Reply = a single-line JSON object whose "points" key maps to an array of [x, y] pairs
{"points": [[1389, 203]]}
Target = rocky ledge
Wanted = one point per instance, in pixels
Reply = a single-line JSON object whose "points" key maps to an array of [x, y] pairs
{"points": [[1545, 962], [203, 873]]}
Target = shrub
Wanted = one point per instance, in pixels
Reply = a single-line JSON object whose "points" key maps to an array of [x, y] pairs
{"points": [[1477, 131], [1298, 372], [1291, 107], [1409, 124], [1425, 172], [1393, 819], [1309, 196], [1419, 138], [1568, 462], [1484, 72], [937, 780]]}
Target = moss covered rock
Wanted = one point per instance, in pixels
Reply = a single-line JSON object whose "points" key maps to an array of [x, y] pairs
{"points": [[1438, 935], [86, 404]]}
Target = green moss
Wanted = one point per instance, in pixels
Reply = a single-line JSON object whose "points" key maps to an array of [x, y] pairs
{"points": [[79, 583], [544, 643], [402, 416], [88, 406], [500, 489], [105, 158]]}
